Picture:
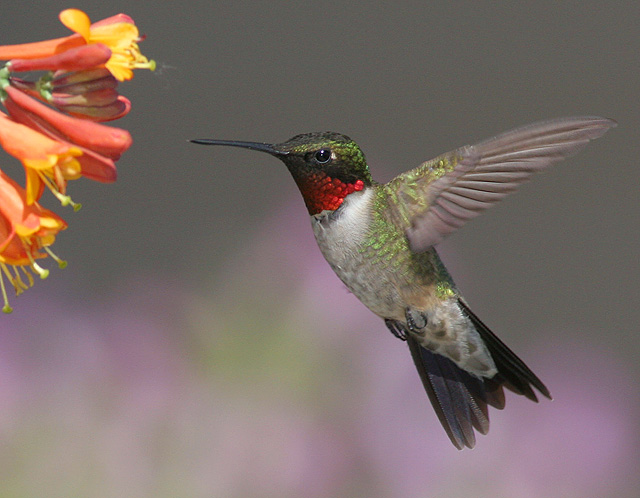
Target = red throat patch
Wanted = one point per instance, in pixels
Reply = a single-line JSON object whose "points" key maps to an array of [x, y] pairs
{"points": [[322, 193]]}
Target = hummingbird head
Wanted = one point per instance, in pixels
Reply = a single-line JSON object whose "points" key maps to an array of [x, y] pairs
{"points": [[326, 166]]}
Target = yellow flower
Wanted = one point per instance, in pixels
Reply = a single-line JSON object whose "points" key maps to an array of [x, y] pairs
{"points": [[119, 33]]}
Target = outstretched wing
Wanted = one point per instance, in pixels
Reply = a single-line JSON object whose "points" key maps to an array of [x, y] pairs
{"points": [[439, 196]]}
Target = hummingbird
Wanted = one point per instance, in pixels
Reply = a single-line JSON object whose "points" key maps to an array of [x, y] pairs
{"points": [[380, 240]]}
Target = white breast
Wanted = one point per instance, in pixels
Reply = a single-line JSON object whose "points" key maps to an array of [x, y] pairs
{"points": [[342, 237], [340, 233]]}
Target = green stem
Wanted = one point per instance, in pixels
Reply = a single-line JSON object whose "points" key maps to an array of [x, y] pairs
{"points": [[4, 82], [44, 86]]}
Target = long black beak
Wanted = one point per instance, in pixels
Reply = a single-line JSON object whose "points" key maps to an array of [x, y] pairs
{"points": [[262, 147]]}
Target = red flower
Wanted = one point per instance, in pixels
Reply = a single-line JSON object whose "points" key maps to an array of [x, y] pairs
{"points": [[105, 140], [88, 94], [75, 59]]}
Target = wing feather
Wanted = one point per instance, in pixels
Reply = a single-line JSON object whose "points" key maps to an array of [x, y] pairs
{"points": [[441, 195]]}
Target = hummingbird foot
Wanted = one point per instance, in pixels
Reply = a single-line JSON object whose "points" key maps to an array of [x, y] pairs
{"points": [[416, 320], [416, 323], [396, 328]]}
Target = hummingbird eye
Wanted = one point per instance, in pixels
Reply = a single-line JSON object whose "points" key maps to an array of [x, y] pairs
{"points": [[323, 156]]}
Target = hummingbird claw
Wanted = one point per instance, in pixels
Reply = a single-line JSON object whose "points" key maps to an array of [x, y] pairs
{"points": [[396, 329], [416, 320]]}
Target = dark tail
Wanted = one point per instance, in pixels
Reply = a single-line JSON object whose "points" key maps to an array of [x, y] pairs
{"points": [[459, 398]]}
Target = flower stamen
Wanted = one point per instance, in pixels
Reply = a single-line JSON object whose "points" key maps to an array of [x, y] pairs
{"points": [[6, 308], [42, 272], [65, 200], [61, 262], [18, 283], [28, 275]]}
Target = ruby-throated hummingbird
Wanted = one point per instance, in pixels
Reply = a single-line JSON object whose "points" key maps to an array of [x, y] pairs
{"points": [[380, 238]]}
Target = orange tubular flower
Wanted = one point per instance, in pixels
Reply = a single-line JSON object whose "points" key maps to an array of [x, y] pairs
{"points": [[99, 105], [88, 94], [37, 50], [64, 140], [25, 230], [75, 59], [108, 141], [79, 82], [45, 160], [118, 33]]}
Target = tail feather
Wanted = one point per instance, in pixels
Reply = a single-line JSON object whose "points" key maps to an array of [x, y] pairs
{"points": [[459, 398], [512, 372]]}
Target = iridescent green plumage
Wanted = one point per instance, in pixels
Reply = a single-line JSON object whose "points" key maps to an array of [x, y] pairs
{"points": [[348, 164], [387, 243], [407, 190]]}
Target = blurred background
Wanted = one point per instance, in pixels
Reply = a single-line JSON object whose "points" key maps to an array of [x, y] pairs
{"points": [[199, 346]]}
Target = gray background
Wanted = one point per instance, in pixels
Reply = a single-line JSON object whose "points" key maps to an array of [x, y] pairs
{"points": [[553, 270]]}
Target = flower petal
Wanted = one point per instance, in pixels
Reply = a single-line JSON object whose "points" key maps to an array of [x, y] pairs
{"points": [[23, 142], [34, 185], [76, 21], [87, 80], [75, 59], [97, 167], [95, 98], [31, 222], [118, 18], [105, 140], [36, 50], [114, 110]]}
